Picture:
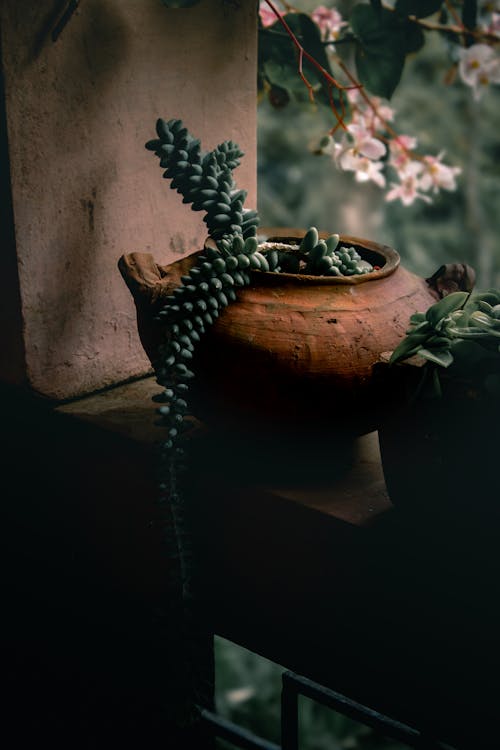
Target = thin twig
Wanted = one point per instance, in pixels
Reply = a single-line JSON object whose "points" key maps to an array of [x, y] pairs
{"points": [[330, 80], [486, 36], [453, 13]]}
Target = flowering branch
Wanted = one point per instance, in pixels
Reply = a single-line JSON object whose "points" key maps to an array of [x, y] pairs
{"points": [[370, 145]]}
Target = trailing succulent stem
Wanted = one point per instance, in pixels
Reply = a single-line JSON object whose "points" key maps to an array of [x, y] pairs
{"points": [[204, 179], [231, 253], [208, 288]]}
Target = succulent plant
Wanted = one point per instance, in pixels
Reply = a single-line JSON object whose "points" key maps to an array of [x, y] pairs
{"points": [[231, 254], [459, 336], [208, 288], [204, 179]]}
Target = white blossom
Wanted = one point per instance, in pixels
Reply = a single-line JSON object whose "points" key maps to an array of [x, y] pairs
{"points": [[330, 22], [365, 169], [436, 175], [363, 142], [267, 16], [479, 67], [401, 148], [376, 118], [410, 187], [360, 152]]}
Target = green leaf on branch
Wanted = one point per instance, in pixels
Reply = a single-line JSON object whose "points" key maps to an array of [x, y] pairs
{"points": [[379, 73], [384, 39], [279, 63], [309, 35], [469, 14], [418, 8]]}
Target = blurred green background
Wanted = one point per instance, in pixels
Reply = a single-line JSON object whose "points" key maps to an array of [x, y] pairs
{"points": [[300, 189], [249, 692]]}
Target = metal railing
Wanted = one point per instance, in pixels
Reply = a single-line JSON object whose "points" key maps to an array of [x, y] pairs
{"points": [[293, 686]]}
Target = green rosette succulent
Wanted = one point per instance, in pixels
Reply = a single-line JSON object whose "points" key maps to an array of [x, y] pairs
{"points": [[459, 336]]}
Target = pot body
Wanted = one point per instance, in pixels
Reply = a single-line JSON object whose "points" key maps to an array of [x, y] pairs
{"points": [[296, 352], [439, 455]]}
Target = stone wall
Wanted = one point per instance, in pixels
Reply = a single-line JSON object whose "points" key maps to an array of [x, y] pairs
{"points": [[83, 189]]}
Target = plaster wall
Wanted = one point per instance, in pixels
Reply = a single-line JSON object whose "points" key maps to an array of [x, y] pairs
{"points": [[84, 190]]}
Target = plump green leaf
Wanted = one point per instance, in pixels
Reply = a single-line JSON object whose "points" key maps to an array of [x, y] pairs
{"points": [[419, 8], [384, 40], [442, 357], [485, 322], [417, 318], [405, 349], [445, 307], [490, 296]]}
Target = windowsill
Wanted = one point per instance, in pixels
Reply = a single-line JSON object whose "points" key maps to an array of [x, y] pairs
{"points": [[357, 495]]}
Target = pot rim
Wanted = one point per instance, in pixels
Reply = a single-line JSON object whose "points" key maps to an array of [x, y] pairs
{"points": [[390, 257]]}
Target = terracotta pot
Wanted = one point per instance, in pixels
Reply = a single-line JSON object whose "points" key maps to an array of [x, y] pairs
{"points": [[294, 351]]}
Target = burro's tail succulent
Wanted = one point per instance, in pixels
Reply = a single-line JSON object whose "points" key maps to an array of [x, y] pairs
{"points": [[205, 179], [231, 253]]}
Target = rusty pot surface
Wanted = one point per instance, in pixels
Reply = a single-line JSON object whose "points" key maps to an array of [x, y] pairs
{"points": [[294, 351]]}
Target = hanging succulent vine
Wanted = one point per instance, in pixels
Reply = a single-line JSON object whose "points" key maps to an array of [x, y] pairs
{"points": [[231, 253], [205, 180]]}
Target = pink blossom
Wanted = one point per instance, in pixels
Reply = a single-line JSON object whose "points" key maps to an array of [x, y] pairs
{"points": [[436, 175], [354, 97], [377, 117], [478, 67], [361, 110], [360, 153], [365, 169], [401, 148], [363, 141], [267, 16], [408, 190], [494, 25], [329, 20]]}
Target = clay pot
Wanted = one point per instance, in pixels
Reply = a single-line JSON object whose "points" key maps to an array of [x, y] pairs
{"points": [[439, 454], [295, 352]]}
